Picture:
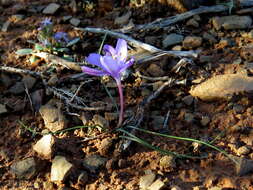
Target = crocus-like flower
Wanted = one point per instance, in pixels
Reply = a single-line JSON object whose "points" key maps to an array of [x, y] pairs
{"points": [[61, 37], [113, 64], [45, 23]]}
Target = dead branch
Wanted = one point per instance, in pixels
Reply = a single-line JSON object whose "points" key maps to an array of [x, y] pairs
{"points": [[21, 71], [139, 44], [59, 61]]}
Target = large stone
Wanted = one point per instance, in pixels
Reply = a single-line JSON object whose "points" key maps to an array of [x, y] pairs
{"points": [[172, 39], [24, 169], [232, 22], [44, 146], [51, 8], [60, 169]]}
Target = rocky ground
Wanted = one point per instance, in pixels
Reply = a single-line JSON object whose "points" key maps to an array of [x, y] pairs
{"points": [[58, 126]]}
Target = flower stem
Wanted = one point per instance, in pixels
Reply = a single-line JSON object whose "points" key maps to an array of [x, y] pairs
{"points": [[121, 102]]}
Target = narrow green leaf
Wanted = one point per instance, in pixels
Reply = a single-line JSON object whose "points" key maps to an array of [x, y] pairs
{"points": [[39, 47], [24, 51], [72, 42]]}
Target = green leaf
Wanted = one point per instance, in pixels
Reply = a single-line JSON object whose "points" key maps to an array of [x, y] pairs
{"points": [[61, 49], [72, 42], [24, 51], [39, 47]]}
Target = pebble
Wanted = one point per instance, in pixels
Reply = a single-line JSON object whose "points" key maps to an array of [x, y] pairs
{"points": [[53, 117], [192, 22], [238, 108], [172, 39], [94, 162], [101, 121], [51, 9], [205, 120], [74, 21], [209, 37], [124, 19], [17, 88], [231, 22], [24, 169], [243, 150], [29, 81], [177, 48], [157, 185], [188, 100], [191, 42], [205, 58], [44, 146], [157, 122], [3, 109], [105, 146], [167, 162], [244, 166], [151, 39], [189, 117], [147, 180], [60, 169], [155, 70]]}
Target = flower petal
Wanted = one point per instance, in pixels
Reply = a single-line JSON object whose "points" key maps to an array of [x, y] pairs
{"points": [[129, 63], [109, 50], [110, 66], [94, 59], [91, 71], [121, 49]]}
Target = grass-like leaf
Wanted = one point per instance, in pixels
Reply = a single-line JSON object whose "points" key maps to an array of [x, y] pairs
{"points": [[25, 51]]}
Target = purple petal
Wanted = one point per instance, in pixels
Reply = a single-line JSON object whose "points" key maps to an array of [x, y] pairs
{"points": [[121, 49], [129, 63], [109, 50], [94, 59], [91, 71], [111, 66]]}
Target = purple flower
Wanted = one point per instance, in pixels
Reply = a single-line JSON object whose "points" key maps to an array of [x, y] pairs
{"points": [[61, 37], [45, 23], [113, 64]]}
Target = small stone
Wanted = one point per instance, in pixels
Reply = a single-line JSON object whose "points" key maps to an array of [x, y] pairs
{"points": [[155, 70], [172, 39], [51, 9], [209, 37], [177, 48], [29, 81], [192, 22], [191, 42], [197, 18], [5, 26], [157, 122], [243, 150], [188, 100], [94, 162], [105, 146], [53, 117], [167, 162], [101, 121], [238, 108], [189, 117], [66, 18], [232, 22], [243, 166], [24, 169], [111, 116], [44, 146], [74, 21], [60, 169], [17, 88], [3, 109], [151, 39], [205, 58], [17, 18], [147, 180], [205, 120], [124, 19], [157, 185], [48, 185], [83, 178]]}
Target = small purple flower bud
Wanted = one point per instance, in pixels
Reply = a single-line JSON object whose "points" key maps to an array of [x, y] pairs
{"points": [[61, 37], [45, 23]]}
